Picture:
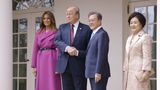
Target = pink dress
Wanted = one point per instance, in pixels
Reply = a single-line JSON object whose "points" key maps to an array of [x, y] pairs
{"points": [[45, 61]]}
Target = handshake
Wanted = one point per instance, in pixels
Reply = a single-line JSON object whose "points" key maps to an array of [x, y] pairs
{"points": [[72, 51]]}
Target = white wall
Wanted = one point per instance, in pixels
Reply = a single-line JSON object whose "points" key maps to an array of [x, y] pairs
{"points": [[6, 45], [112, 11], [158, 44]]}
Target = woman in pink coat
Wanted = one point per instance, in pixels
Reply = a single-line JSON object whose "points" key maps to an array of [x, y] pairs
{"points": [[138, 56], [44, 56]]}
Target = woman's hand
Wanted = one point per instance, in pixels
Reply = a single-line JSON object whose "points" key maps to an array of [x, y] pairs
{"points": [[145, 76], [34, 71]]}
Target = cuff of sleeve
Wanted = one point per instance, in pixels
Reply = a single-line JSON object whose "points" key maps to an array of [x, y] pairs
{"points": [[66, 49], [77, 53], [146, 69]]}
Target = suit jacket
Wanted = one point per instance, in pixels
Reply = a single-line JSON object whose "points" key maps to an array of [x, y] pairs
{"points": [[97, 55], [138, 57], [81, 40]]}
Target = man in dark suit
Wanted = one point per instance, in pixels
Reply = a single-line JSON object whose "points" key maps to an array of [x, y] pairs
{"points": [[97, 66], [72, 40]]}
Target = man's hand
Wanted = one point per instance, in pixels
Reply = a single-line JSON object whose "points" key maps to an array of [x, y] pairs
{"points": [[72, 51], [97, 77]]}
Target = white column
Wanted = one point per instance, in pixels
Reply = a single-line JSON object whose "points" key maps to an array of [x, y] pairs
{"points": [[158, 44], [6, 45]]}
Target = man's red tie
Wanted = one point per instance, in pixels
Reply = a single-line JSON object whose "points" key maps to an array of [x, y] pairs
{"points": [[72, 34]]}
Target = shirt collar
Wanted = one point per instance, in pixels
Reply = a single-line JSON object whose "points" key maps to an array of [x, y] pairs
{"points": [[94, 31], [76, 25]]}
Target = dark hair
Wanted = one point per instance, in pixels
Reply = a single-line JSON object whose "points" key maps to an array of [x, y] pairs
{"points": [[139, 16], [99, 15], [51, 17]]}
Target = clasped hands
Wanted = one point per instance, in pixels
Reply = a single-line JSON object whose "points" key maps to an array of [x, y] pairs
{"points": [[142, 76], [145, 76], [72, 51]]}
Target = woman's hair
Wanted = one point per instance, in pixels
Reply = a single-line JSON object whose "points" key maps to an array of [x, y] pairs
{"points": [[52, 19], [139, 16]]}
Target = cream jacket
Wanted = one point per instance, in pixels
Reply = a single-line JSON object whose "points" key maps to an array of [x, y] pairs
{"points": [[138, 57]]}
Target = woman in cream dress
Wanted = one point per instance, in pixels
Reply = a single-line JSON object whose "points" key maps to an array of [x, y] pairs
{"points": [[137, 63]]}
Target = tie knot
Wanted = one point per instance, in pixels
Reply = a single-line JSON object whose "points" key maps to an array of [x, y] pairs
{"points": [[72, 25]]}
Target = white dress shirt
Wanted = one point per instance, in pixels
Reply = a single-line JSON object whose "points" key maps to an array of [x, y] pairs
{"points": [[75, 27], [94, 31]]}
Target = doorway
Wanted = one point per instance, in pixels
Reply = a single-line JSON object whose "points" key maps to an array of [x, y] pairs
{"points": [[149, 10], [25, 24]]}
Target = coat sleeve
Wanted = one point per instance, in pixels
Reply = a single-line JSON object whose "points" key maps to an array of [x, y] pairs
{"points": [[61, 45], [147, 52], [125, 63], [103, 49], [35, 51]]}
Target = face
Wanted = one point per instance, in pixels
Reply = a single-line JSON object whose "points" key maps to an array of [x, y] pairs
{"points": [[135, 25], [71, 15], [47, 20], [94, 22]]}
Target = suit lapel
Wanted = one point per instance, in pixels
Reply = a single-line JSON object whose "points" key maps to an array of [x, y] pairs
{"points": [[133, 42], [93, 38], [130, 44], [137, 37], [45, 35], [79, 30]]}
